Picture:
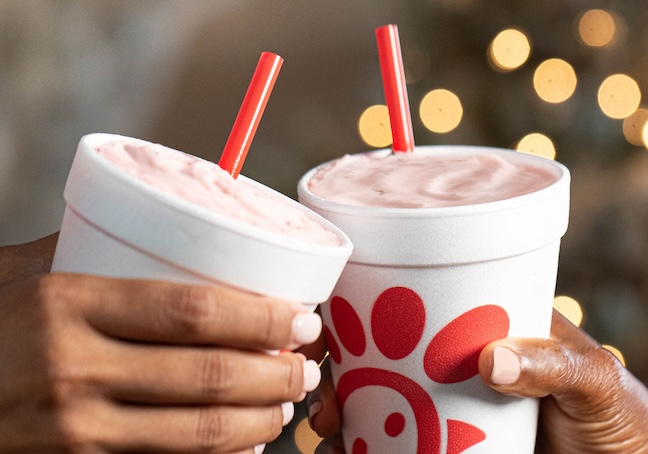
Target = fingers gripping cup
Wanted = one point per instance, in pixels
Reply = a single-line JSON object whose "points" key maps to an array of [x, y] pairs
{"points": [[457, 251], [140, 210]]}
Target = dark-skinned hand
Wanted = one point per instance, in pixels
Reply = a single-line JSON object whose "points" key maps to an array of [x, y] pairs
{"points": [[590, 403], [98, 365]]}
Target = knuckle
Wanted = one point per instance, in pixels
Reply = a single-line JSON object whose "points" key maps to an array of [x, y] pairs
{"points": [[565, 373], [47, 290], [275, 424], [67, 376], [563, 370], [76, 431], [190, 309], [65, 387], [59, 372], [588, 373], [216, 376], [50, 296], [293, 377], [270, 326], [61, 392], [213, 430]]}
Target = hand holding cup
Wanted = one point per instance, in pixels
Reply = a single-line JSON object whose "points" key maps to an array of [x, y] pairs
{"points": [[125, 364], [589, 401]]}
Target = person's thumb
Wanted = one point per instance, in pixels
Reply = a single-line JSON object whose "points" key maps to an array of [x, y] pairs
{"points": [[582, 376], [595, 404]]}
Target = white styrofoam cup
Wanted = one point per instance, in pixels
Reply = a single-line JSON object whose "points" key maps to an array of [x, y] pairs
{"points": [[116, 225], [424, 291]]}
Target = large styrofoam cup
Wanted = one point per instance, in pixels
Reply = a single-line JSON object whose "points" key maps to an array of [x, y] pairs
{"points": [[424, 291], [116, 225]]}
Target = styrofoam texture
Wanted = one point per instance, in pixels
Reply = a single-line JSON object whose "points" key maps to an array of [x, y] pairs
{"points": [[116, 225], [455, 259]]}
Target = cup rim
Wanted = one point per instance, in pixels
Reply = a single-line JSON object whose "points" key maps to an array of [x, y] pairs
{"points": [[203, 214]]}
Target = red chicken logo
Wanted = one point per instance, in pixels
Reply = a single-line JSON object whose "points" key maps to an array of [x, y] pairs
{"points": [[398, 320]]}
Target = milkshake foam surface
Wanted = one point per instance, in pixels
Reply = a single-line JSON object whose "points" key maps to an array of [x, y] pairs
{"points": [[205, 184], [422, 180]]}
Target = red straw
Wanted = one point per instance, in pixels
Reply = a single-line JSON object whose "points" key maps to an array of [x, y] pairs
{"points": [[249, 116], [393, 76]]}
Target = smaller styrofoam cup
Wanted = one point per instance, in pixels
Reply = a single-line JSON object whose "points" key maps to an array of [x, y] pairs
{"points": [[116, 225], [424, 291]]}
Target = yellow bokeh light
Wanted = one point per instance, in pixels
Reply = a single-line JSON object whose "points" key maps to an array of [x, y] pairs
{"points": [[554, 80], [509, 50], [616, 352], [619, 96], [644, 134], [537, 144], [570, 308], [305, 438], [634, 127], [441, 111], [374, 127], [596, 28]]}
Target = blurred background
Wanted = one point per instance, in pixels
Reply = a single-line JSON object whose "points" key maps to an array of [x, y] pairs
{"points": [[561, 78]]}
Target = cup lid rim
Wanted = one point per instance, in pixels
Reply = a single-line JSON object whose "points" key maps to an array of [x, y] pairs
{"points": [[562, 174], [202, 214]]}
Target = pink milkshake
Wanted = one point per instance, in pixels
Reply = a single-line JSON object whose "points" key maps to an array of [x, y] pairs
{"points": [[454, 247], [137, 209], [421, 180], [208, 186]]}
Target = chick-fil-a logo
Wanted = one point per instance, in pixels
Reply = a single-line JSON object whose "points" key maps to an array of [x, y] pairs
{"points": [[398, 320]]}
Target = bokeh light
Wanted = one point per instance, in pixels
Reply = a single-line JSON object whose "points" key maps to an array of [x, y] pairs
{"points": [[597, 28], [644, 134], [570, 308], [374, 127], [616, 352], [305, 438], [441, 111], [619, 96], [554, 80], [537, 144], [634, 125], [509, 50]]}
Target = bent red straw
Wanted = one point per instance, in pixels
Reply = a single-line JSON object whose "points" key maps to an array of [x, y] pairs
{"points": [[249, 116], [393, 76]]}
